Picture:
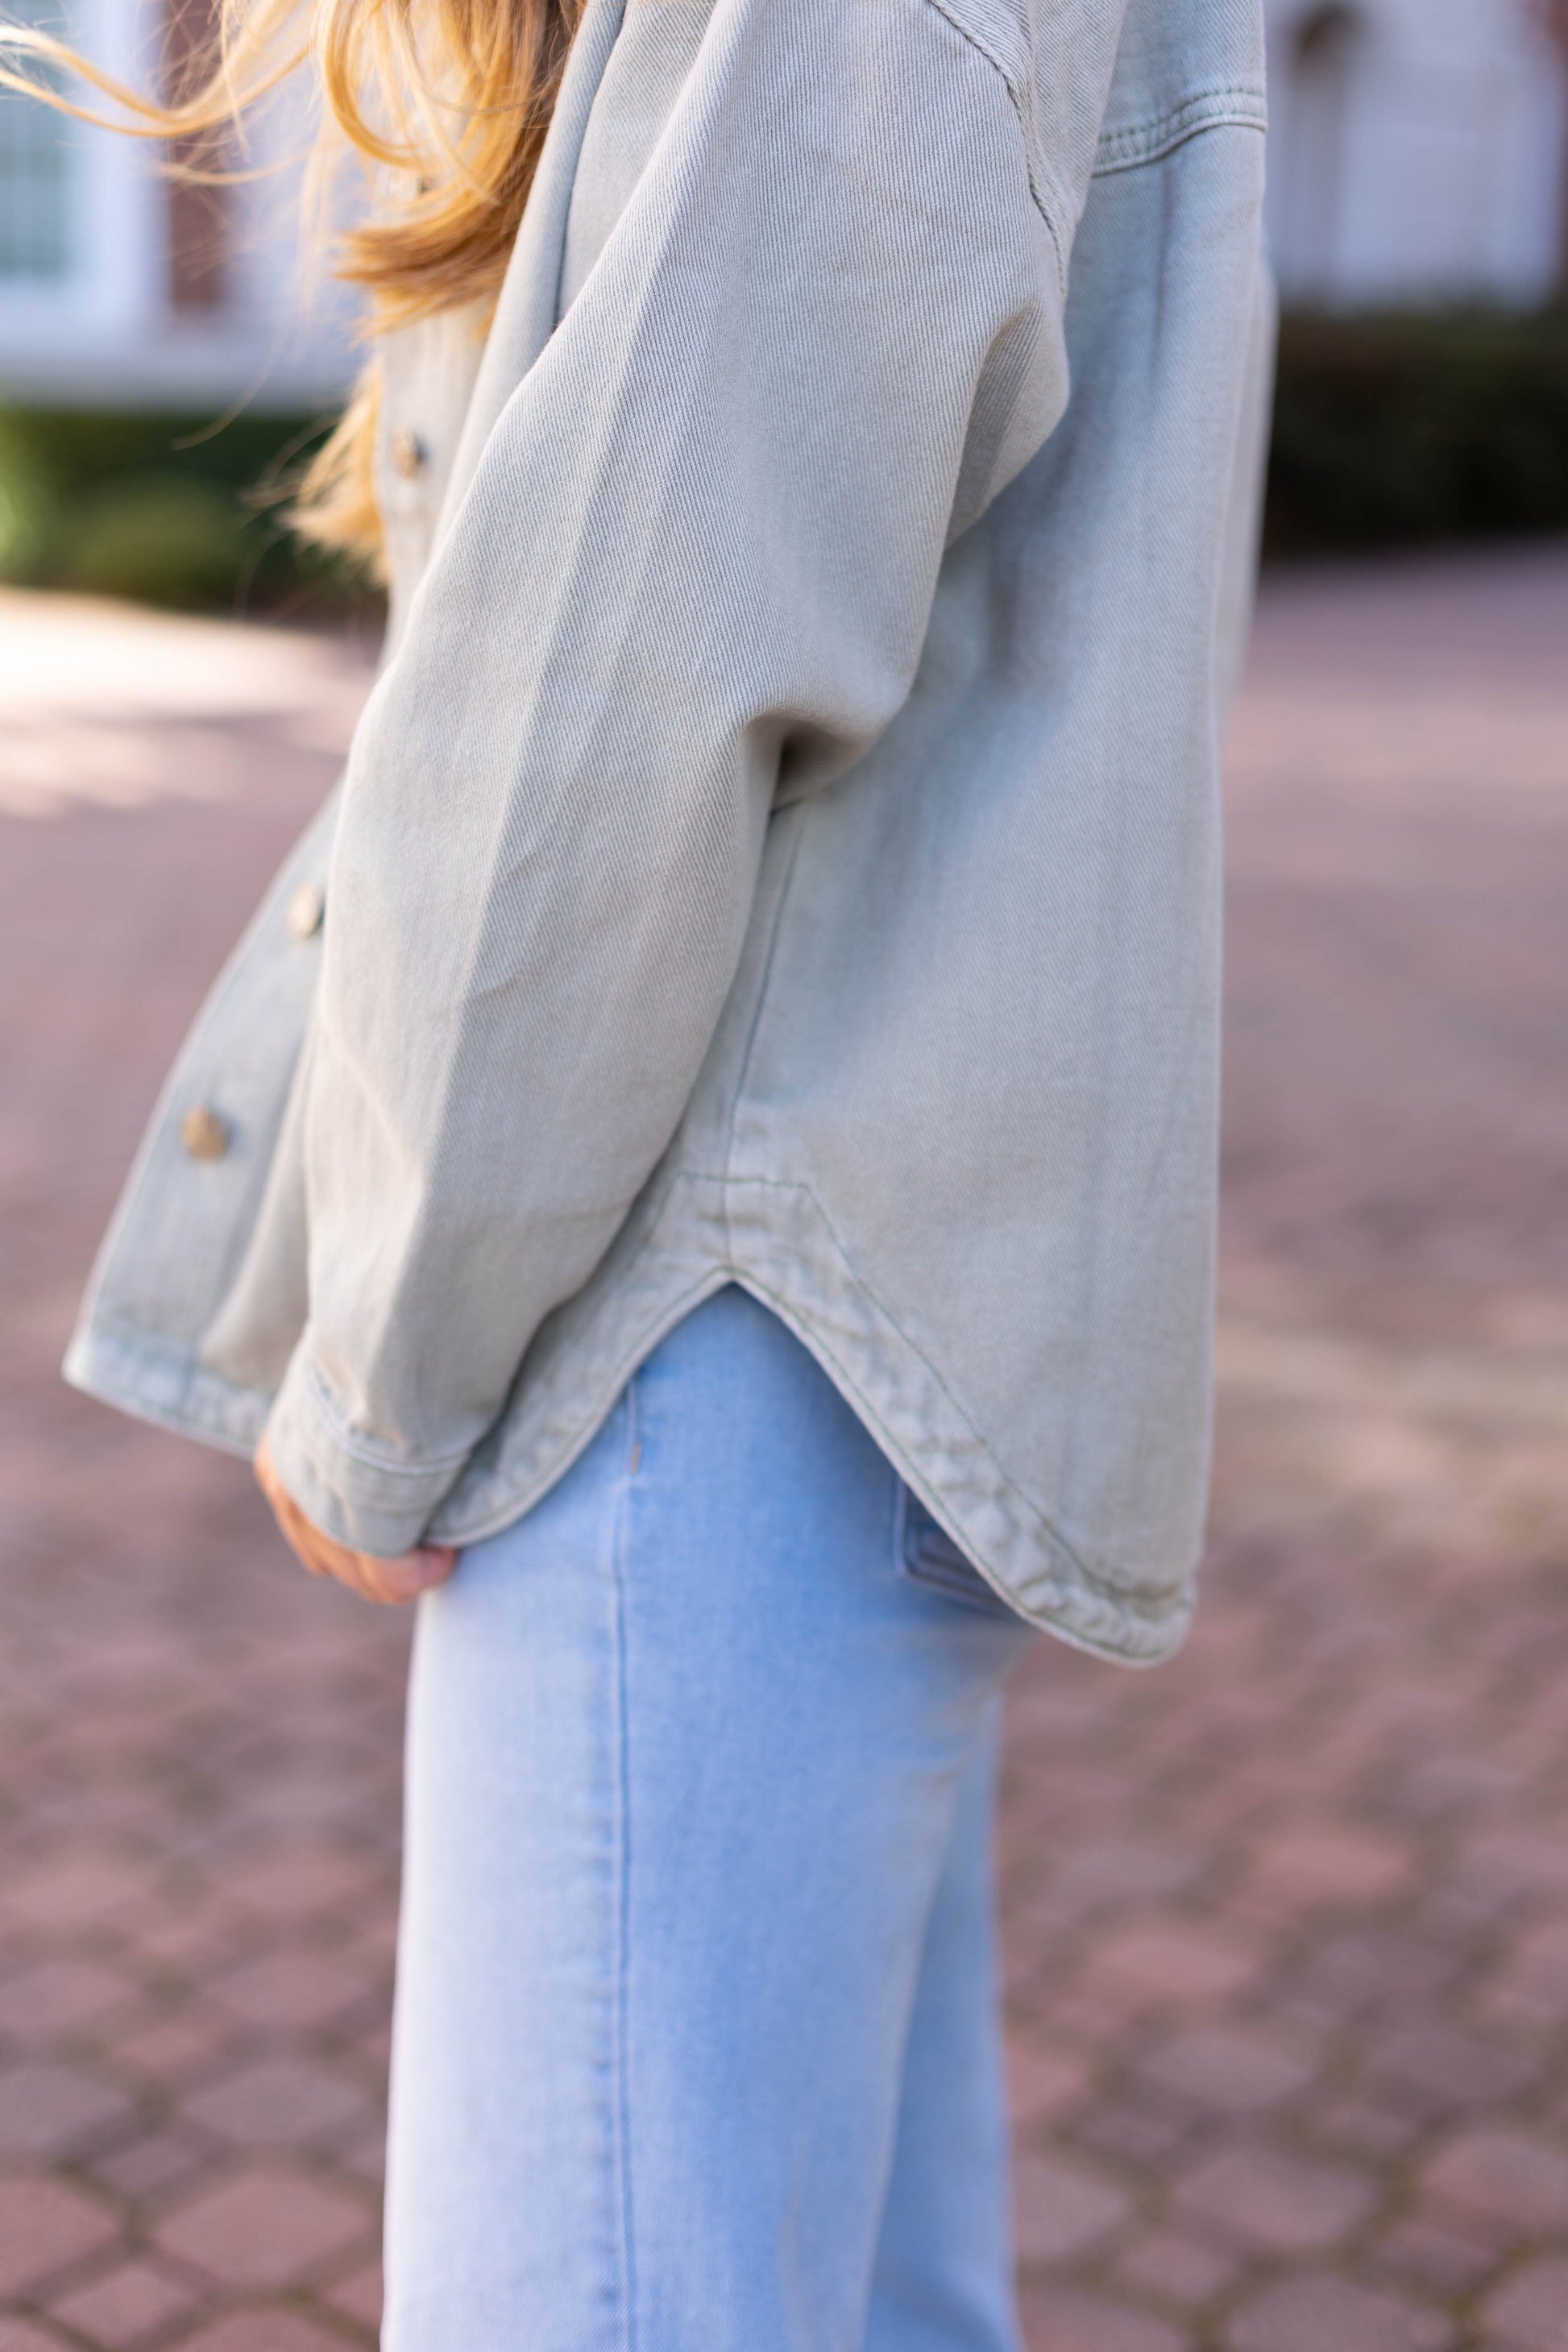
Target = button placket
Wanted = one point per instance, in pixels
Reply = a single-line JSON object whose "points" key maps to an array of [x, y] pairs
{"points": [[306, 906], [408, 453]]}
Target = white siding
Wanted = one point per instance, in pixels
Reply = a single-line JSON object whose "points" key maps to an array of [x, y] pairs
{"points": [[1418, 150], [98, 329], [1418, 154]]}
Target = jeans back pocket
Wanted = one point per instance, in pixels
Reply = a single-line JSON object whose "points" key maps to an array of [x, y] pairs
{"points": [[928, 1555]]}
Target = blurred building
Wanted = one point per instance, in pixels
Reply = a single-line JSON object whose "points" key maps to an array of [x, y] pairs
{"points": [[1419, 154], [1418, 150], [120, 288]]}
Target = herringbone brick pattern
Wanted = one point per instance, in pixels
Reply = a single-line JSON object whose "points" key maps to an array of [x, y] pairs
{"points": [[1287, 1921]]}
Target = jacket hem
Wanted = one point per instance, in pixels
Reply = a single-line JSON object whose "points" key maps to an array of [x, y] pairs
{"points": [[157, 1381], [773, 1238]]}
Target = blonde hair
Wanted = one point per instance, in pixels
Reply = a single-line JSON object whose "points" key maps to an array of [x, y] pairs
{"points": [[451, 98]]}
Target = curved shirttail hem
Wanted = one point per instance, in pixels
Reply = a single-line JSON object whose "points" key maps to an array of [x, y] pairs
{"points": [[700, 1233], [694, 1239]]}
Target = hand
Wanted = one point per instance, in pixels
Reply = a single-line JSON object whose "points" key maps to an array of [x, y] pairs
{"points": [[392, 1581]]}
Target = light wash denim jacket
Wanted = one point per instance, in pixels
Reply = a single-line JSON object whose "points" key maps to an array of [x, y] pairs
{"points": [[782, 844]]}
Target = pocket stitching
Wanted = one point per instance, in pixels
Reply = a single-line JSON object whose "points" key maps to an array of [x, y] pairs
{"points": [[955, 1579]]}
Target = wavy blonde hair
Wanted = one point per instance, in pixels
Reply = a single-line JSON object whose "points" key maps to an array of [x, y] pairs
{"points": [[451, 98]]}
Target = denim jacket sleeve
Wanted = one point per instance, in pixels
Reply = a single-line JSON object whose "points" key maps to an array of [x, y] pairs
{"points": [[691, 573]]}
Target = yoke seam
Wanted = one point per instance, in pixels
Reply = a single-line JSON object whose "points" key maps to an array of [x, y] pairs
{"points": [[1211, 108]]}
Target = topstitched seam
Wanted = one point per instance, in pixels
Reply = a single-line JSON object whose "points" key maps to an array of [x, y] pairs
{"points": [[982, 49], [786, 1185]]}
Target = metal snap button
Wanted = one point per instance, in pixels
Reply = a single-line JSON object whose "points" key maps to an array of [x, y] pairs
{"points": [[306, 906], [409, 454], [204, 1132]]}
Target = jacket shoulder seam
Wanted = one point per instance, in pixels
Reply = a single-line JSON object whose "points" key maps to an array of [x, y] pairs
{"points": [[1045, 207]]}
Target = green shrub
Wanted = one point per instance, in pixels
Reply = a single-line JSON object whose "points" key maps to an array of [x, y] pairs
{"points": [[1389, 430], [29, 505], [164, 508], [155, 536], [1393, 429]]}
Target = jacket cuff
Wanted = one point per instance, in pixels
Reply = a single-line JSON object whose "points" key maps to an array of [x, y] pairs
{"points": [[345, 1484]]}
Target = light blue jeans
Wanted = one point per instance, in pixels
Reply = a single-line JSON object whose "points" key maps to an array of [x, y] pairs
{"points": [[697, 2045]]}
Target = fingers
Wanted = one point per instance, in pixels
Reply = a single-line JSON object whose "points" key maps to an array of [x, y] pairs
{"points": [[391, 1583], [395, 1581]]}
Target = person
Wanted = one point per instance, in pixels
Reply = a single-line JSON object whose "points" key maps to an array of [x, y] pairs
{"points": [[703, 1166]]}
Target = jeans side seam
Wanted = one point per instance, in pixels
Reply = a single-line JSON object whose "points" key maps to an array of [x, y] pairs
{"points": [[623, 1892]]}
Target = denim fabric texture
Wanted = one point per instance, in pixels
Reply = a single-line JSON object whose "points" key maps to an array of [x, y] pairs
{"points": [[782, 845], [696, 2036]]}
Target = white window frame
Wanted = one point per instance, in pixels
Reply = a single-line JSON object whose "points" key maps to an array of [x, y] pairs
{"points": [[116, 234]]}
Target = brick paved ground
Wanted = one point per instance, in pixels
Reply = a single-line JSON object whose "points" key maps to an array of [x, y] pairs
{"points": [[1287, 1920]]}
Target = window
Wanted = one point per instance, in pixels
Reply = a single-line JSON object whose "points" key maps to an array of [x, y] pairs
{"points": [[34, 179], [1314, 90]]}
